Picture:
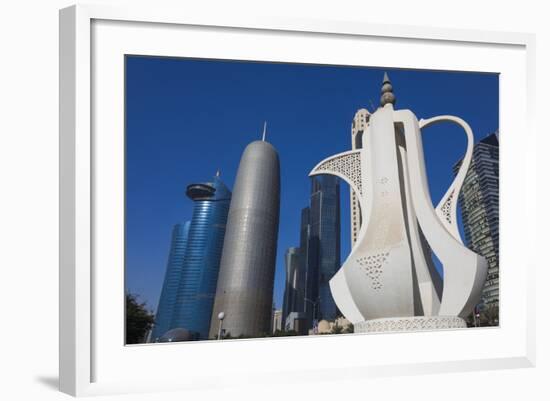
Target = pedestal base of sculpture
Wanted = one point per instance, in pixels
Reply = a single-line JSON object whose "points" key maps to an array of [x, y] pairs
{"points": [[412, 323]]}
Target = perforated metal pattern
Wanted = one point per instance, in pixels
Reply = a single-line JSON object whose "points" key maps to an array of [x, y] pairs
{"points": [[348, 165]]}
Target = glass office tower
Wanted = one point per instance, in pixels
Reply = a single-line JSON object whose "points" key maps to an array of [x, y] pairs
{"points": [[325, 235], [309, 260], [320, 247], [479, 203], [294, 284], [201, 262], [172, 277]]}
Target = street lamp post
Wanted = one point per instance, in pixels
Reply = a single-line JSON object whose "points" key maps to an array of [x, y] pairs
{"points": [[314, 303], [221, 316], [149, 334], [477, 320]]}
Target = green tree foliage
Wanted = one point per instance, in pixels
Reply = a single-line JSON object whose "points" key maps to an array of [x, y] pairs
{"points": [[139, 320], [470, 320], [489, 315]]}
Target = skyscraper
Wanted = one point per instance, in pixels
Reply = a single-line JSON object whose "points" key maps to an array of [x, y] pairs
{"points": [[358, 128], [245, 286], [309, 264], [479, 202], [172, 278], [293, 300], [320, 247], [201, 262], [324, 220]]}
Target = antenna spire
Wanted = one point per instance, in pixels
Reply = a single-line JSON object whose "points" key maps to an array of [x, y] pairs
{"points": [[372, 105], [265, 129]]}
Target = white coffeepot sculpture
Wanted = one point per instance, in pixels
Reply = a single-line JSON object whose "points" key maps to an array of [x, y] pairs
{"points": [[389, 282]]}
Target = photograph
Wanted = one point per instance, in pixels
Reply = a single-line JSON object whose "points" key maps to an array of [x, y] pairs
{"points": [[274, 199]]}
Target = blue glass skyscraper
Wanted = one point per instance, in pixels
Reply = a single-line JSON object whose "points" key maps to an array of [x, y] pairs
{"points": [[320, 247], [293, 300], [324, 238], [201, 262], [167, 302]]}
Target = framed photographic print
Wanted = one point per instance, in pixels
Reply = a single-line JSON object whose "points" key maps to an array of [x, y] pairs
{"points": [[266, 192]]}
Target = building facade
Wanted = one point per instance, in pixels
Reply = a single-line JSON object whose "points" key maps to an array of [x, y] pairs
{"points": [[307, 255], [293, 298], [325, 234], [309, 264], [247, 272], [358, 128], [277, 322], [201, 262], [479, 203], [298, 322], [320, 248], [172, 278]]}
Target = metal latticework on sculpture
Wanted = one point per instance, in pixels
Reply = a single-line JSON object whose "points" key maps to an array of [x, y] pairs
{"points": [[347, 165]]}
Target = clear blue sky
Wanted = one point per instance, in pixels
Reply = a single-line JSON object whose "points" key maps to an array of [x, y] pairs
{"points": [[186, 118]]}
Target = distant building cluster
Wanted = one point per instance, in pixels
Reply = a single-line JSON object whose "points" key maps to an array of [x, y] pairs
{"points": [[221, 265], [309, 267]]}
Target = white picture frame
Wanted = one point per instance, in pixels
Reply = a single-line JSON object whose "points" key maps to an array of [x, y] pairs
{"points": [[92, 352]]}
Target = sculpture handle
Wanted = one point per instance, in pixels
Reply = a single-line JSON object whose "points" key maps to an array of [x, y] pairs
{"points": [[446, 208], [464, 271]]}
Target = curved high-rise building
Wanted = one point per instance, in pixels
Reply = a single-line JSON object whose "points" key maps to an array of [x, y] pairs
{"points": [[247, 269], [201, 263]]}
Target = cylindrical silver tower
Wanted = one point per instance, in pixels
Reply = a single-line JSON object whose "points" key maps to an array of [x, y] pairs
{"points": [[247, 269]]}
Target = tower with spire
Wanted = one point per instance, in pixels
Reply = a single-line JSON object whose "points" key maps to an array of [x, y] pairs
{"points": [[247, 271], [190, 281]]}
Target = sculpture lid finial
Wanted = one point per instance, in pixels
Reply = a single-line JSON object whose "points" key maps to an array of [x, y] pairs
{"points": [[387, 91], [265, 129]]}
